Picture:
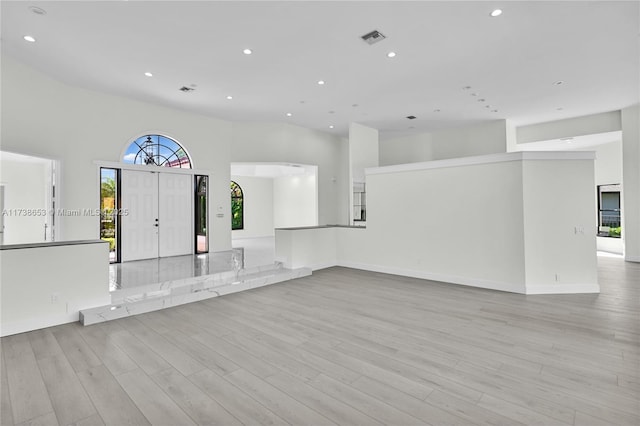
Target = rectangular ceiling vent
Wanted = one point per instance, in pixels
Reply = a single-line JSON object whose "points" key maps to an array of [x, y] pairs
{"points": [[187, 89], [373, 37]]}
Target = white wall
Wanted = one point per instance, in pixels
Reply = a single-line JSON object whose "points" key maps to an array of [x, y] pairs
{"points": [[66, 280], [295, 201], [559, 224], [579, 126], [406, 149], [78, 126], [480, 221], [279, 142], [258, 207], [481, 139], [608, 164], [631, 182], [25, 185]]}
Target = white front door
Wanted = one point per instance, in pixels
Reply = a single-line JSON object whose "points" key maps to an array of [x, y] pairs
{"points": [[157, 218], [176, 214], [140, 220]]}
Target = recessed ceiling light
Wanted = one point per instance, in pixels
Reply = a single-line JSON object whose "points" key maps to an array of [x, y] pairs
{"points": [[466, 88], [436, 110], [289, 114], [247, 51], [29, 38], [558, 83], [332, 112], [496, 12], [229, 97], [355, 105], [481, 100], [411, 117], [331, 126], [148, 74], [474, 94], [559, 109], [37, 10], [494, 110], [321, 82], [391, 55]]}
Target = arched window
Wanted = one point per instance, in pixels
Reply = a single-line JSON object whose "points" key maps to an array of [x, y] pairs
{"points": [[157, 150], [237, 207]]}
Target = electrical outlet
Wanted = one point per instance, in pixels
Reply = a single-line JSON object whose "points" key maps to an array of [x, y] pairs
{"points": [[557, 277], [54, 297]]}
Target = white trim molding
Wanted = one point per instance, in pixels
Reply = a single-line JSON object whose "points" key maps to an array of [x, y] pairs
{"points": [[483, 159]]}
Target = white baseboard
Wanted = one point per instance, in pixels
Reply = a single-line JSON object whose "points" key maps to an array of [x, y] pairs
{"points": [[322, 266], [445, 278], [632, 258], [562, 288], [15, 327]]}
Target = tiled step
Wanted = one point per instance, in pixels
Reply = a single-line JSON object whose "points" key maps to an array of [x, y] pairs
{"points": [[153, 297]]}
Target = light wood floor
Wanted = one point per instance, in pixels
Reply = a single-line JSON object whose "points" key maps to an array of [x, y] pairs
{"points": [[342, 347]]}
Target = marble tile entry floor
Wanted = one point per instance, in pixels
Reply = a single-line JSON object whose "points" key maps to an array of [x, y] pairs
{"points": [[245, 253]]}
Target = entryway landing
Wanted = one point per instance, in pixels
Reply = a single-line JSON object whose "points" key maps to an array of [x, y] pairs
{"points": [[150, 285]]}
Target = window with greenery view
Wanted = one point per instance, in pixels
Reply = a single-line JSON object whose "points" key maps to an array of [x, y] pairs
{"points": [[609, 212], [108, 210], [237, 207]]}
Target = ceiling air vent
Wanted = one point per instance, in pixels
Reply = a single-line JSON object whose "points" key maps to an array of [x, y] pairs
{"points": [[187, 89], [373, 37]]}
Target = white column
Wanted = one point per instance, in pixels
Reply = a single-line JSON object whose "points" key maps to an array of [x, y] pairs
{"points": [[631, 182]]}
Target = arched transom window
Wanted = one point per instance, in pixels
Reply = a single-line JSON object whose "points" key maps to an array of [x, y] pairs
{"points": [[237, 207], [157, 150]]}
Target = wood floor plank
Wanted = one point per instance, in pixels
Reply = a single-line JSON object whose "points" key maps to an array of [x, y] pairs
{"points": [[79, 354], [44, 344], [375, 408], [27, 391], [211, 359], [141, 354], [103, 345], [348, 347], [6, 413], [94, 420], [48, 419], [192, 400], [516, 412], [156, 405], [70, 401], [171, 353], [241, 357], [406, 403], [279, 402], [331, 408], [235, 401], [113, 404]]}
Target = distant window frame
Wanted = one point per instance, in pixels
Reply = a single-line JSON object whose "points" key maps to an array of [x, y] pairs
{"points": [[237, 207], [610, 219], [157, 150]]}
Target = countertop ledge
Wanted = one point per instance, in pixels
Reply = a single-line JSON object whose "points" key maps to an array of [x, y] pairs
{"points": [[320, 227], [50, 244]]}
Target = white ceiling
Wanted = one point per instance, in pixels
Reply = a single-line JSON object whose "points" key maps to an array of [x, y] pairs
{"points": [[511, 61]]}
